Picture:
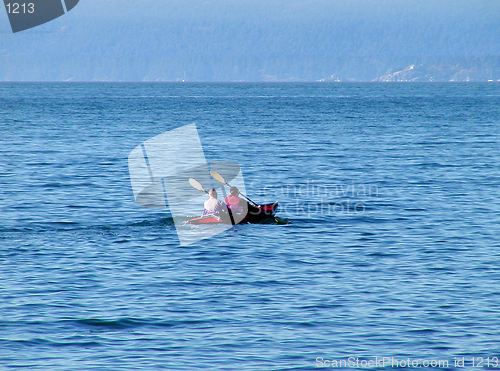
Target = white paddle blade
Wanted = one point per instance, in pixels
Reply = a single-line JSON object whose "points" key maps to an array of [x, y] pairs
{"points": [[217, 177], [196, 185]]}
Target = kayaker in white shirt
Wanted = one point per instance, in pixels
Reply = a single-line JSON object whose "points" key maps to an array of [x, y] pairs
{"points": [[213, 206]]}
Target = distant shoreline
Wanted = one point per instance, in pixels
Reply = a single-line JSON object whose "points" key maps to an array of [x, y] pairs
{"points": [[247, 82]]}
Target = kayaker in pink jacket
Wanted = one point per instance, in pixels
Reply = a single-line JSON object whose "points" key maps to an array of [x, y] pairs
{"points": [[233, 202]]}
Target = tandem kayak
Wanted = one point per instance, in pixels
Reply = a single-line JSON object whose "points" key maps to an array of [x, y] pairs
{"points": [[266, 212]]}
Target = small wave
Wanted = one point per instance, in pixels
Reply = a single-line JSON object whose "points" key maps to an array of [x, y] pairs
{"points": [[79, 206], [66, 225], [414, 209], [129, 323], [42, 341], [434, 165], [152, 223], [423, 330], [112, 324], [63, 222], [379, 254], [53, 185]]}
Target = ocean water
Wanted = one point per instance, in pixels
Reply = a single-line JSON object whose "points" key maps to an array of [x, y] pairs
{"points": [[392, 246]]}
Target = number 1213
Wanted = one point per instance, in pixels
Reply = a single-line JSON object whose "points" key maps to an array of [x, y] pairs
{"points": [[14, 8]]}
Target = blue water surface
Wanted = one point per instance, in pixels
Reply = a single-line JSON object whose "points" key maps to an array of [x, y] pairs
{"points": [[393, 247]]}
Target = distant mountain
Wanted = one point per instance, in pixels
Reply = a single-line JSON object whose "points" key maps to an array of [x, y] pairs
{"points": [[479, 70], [259, 40]]}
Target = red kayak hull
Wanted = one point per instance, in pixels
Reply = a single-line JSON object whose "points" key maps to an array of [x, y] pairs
{"points": [[266, 212]]}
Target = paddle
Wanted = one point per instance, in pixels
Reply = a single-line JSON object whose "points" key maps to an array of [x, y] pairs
{"points": [[196, 185], [220, 179]]}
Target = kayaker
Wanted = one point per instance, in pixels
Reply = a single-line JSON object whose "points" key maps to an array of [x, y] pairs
{"points": [[213, 206], [233, 202], [238, 205]]}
